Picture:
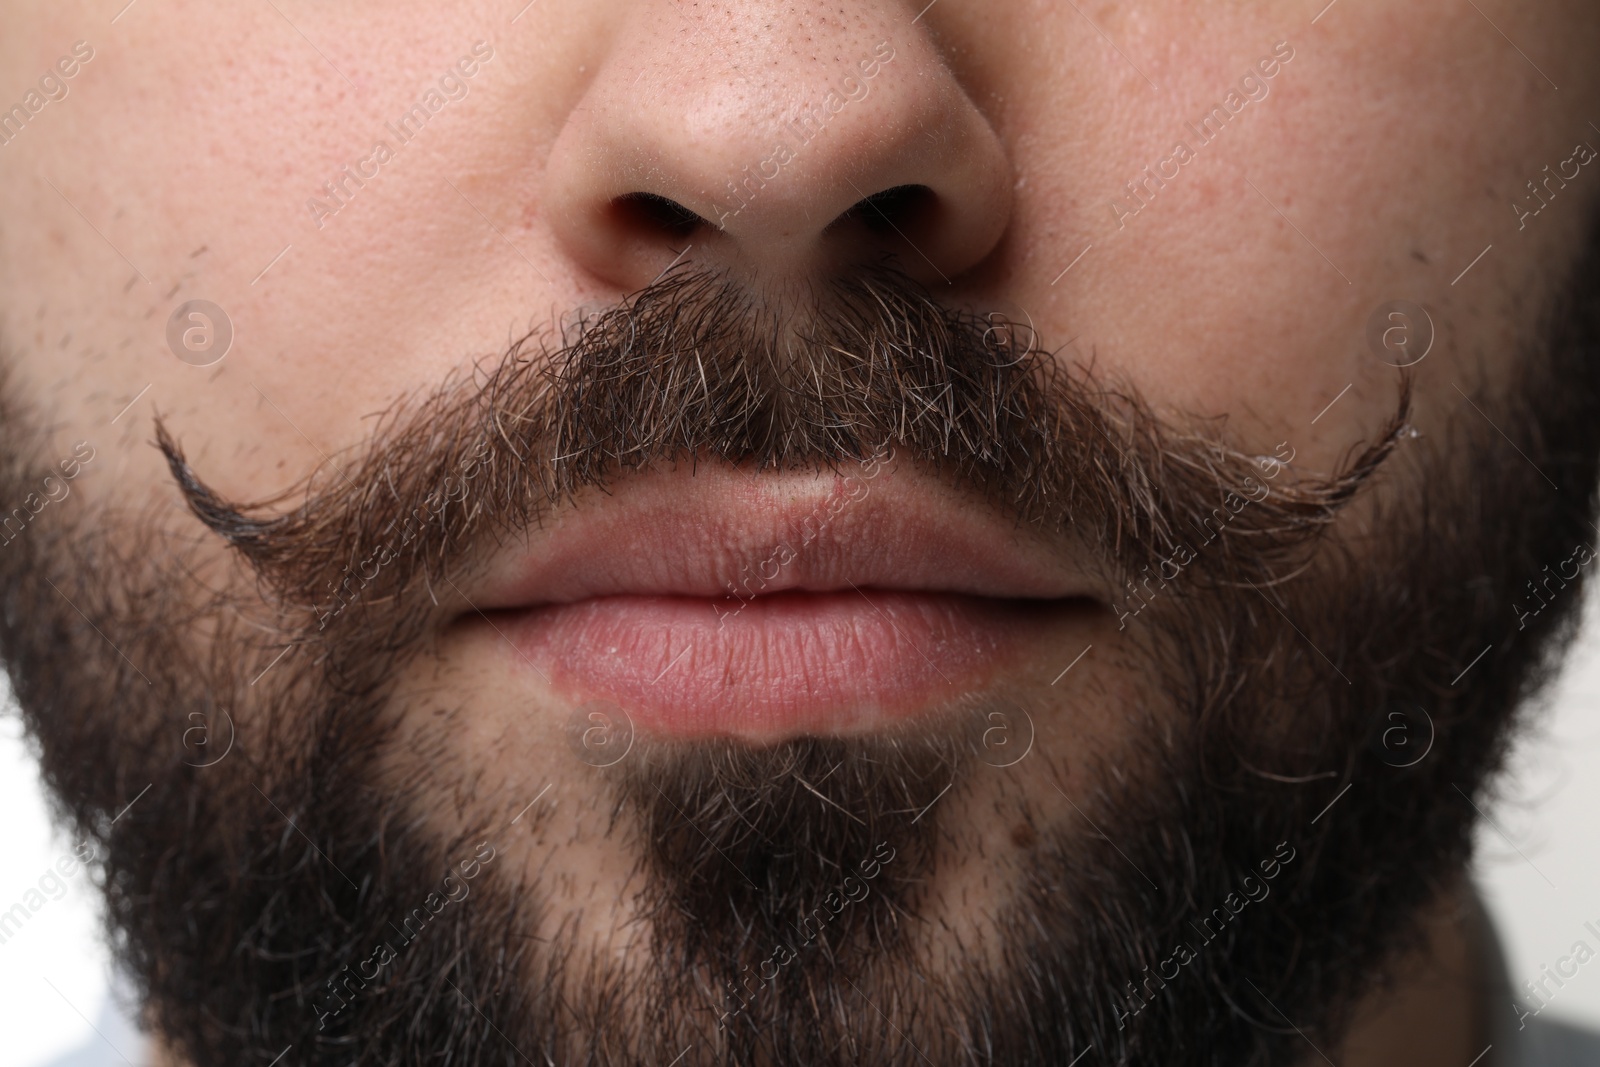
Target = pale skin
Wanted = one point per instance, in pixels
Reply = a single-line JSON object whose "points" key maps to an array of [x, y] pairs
{"points": [[1388, 154]]}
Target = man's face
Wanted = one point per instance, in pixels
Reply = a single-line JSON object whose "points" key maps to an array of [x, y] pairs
{"points": [[957, 517]]}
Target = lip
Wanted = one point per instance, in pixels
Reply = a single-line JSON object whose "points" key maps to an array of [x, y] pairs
{"points": [[713, 602]]}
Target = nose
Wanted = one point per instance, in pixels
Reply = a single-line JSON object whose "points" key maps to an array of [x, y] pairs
{"points": [[777, 143]]}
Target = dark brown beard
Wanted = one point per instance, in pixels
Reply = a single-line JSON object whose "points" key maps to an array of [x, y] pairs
{"points": [[235, 898]]}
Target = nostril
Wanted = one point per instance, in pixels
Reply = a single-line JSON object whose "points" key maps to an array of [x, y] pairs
{"points": [[897, 209], [656, 215]]}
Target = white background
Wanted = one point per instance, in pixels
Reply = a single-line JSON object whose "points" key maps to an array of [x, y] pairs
{"points": [[1538, 866]]}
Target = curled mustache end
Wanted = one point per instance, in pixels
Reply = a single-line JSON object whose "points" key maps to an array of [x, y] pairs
{"points": [[223, 518]]}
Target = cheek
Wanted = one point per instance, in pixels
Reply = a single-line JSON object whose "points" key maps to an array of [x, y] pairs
{"points": [[1223, 298]]}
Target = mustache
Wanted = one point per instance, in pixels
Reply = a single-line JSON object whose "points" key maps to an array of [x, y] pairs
{"points": [[694, 368], [236, 978]]}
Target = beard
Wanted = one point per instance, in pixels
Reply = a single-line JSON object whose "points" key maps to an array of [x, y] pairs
{"points": [[1236, 869]]}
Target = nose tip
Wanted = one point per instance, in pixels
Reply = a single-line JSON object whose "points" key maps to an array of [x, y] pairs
{"points": [[822, 147]]}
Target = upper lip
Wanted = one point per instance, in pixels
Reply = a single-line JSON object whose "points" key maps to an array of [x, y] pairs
{"points": [[718, 531]]}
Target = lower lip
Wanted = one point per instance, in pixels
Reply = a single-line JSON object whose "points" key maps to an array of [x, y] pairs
{"points": [[777, 666]]}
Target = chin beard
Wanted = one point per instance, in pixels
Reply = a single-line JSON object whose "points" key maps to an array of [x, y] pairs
{"points": [[788, 895]]}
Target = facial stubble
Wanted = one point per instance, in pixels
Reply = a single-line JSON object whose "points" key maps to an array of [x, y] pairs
{"points": [[235, 898]]}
